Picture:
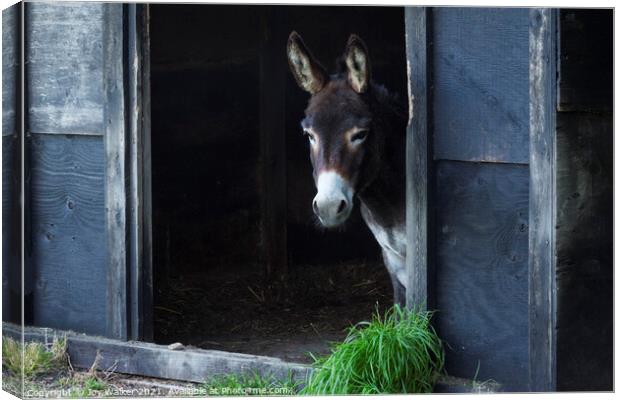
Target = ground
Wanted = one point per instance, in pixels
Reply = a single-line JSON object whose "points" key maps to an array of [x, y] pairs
{"points": [[232, 310], [47, 373]]}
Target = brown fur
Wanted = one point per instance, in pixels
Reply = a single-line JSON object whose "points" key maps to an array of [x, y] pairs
{"points": [[349, 101]]}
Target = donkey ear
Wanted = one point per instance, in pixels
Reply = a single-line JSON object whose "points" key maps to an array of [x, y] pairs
{"points": [[309, 74], [358, 64]]}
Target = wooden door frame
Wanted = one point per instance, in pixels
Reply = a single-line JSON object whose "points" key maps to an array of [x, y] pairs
{"points": [[128, 172], [128, 192], [419, 156], [542, 291]]}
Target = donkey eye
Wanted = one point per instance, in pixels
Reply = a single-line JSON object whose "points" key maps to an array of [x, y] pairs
{"points": [[310, 136], [359, 137]]}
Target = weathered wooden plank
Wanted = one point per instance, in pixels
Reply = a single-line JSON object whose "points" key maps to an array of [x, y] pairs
{"points": [[272, 142], [141, 358], [147, 191], [450, 384], [480, 84], [11, 226], [585, 80], [419, 161], [135, 142], [584, 239], [542, 220], [67, 232], [481, 270], [8, 265], [64, 67], [115, 144], [10, 64], [138, 239], [191, 364], [13, 183]]}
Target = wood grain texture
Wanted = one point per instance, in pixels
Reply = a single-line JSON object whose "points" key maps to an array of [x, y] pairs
{"points": [[480, 84], [542, 219], [419, 156], [584, 239], [10, 178], [481, 270], [586, 63], [147, 191], [68, 251], [10, 65], [139, 300], [194, 365], [8, 267], [116, 174], [65, 67], [140, 358]]}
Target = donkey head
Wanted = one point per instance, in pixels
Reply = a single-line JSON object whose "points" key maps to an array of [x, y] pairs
{"points": [[344, 147]]}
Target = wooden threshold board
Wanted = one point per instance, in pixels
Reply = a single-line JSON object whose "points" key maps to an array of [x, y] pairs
{"points": [[188, 364]]}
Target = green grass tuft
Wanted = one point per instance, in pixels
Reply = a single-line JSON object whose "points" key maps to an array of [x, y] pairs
{"points": [[398, 352], [32, 358]]}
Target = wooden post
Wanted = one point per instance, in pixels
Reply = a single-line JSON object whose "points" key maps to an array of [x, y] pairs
{"points": [[419, 187], [144, 40], [542, 257], [273, 143], [115, 173], [139, 163], [14, 188]]}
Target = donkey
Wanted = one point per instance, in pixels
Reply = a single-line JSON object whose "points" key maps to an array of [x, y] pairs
{"points": [[356, 130]]}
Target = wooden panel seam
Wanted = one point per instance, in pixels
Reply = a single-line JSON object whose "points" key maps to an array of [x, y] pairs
{"points": [[67, 133]]}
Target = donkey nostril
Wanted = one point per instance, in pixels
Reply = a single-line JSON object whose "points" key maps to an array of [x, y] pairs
{"points": [[342, 206], [315, 207]]}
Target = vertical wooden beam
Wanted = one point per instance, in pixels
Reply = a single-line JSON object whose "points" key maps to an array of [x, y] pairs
{"points": [[134, 163], [542, 221], [419, 187], [115, 178], [147, 192], [138, 169], [28, 267], [272, 61], [17, 214]]}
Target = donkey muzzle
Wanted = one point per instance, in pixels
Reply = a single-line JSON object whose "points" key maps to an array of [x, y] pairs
{"points": [[334, 199]]}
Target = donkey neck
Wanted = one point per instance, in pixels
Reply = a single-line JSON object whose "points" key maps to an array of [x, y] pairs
{"points": [[384, 197]]}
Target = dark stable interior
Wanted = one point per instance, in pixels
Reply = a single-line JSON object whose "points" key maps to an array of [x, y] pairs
{"points": [[210, 289]]}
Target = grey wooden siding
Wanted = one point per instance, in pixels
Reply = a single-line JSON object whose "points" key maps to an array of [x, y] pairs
{"points": [[65, 73], [10, 41], [7, 150], [480, 128], [482, 270], [9, 69], [480, 95], [65, 112], [68, 238]]}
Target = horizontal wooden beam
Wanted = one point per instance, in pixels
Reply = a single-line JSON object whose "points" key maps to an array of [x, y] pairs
{"points": [[158, 361], [189, 364]]}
